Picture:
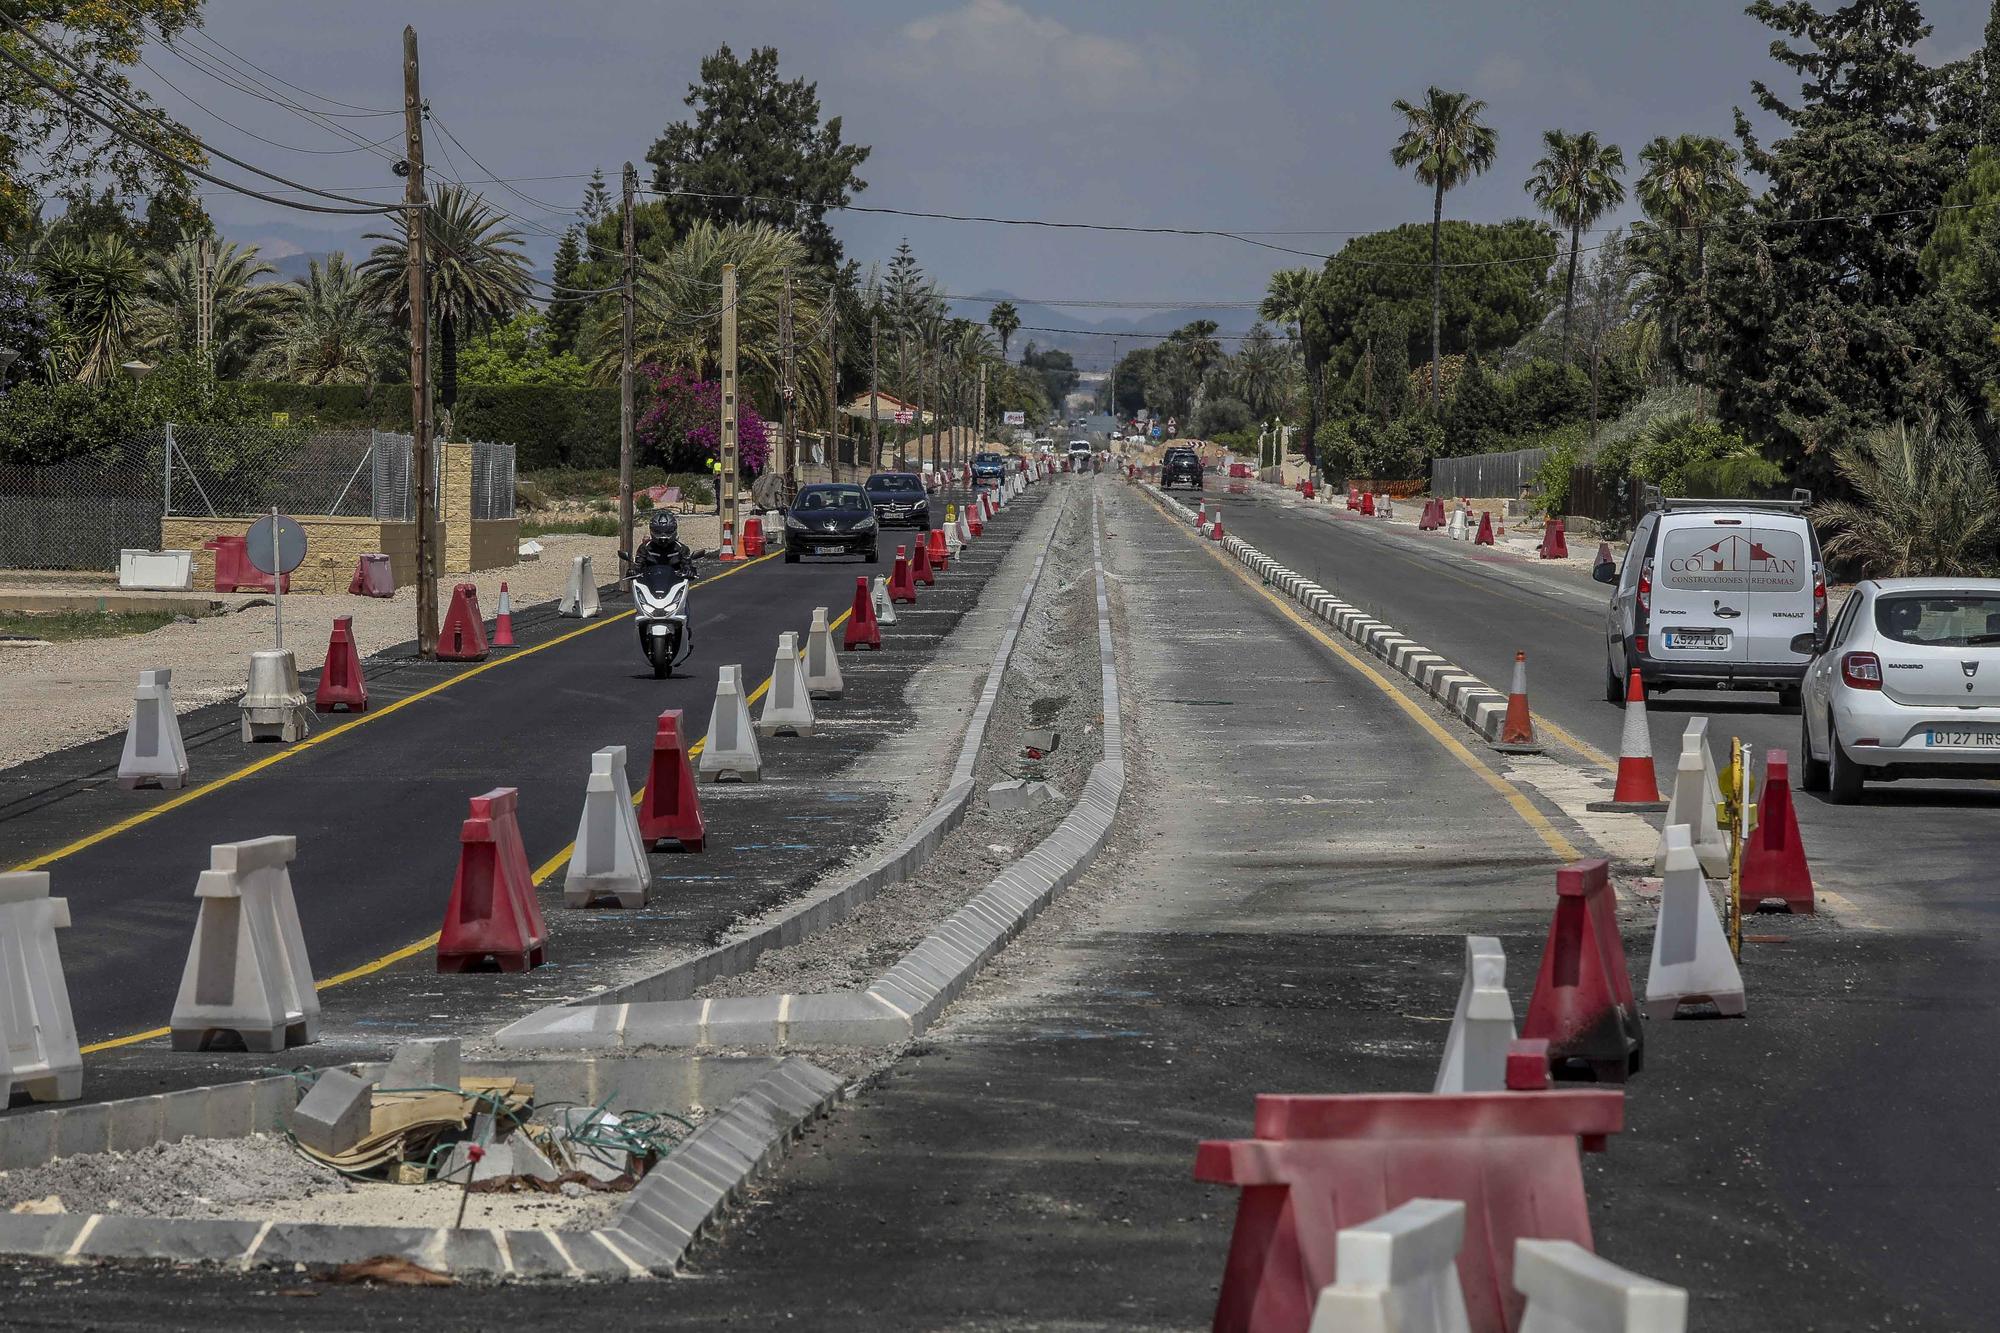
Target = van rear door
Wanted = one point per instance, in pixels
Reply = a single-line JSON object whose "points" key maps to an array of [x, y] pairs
{"points": [[1781, 592], [1701, 590]]}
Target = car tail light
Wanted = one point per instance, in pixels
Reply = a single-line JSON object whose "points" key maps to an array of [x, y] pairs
{"points": [[1861, 671], [1639, 642], [1819, 599], [1646, 588]]}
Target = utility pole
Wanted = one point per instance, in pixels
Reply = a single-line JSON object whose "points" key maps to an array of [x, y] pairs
{"points": [[874, 394], [204, 300], [787, 389], [625, 297], [832, 387], [979, 408], [415, 202], [725, 482]]}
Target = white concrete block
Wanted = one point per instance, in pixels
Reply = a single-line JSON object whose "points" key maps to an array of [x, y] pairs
{"points": [[1693, 801], [823, 680], [1571, 1290], [579, 599], [1398, 1273], [247, 970], [730, 752], [609, 859], [40, 1051], [1475, 1054], [787, 709], [1691, 955], [885, 609], [153, 749], [156, 571], [429, 1062], [334, 1114]]}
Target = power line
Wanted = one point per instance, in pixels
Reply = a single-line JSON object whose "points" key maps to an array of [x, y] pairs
{"points": [[290, 148]]}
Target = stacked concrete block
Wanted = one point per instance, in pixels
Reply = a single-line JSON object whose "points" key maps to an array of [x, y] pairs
{"points": [[247, 970]]}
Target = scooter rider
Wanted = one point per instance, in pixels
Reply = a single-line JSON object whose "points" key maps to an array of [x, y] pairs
{"points": [[664, 547]]}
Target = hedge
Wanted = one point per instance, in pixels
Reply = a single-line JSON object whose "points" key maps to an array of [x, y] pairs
{"points": [[550, 426]]}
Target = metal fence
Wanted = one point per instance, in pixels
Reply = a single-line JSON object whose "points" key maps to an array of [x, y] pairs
{"points": [[1486, 475], [79, 513], [492, 480]]}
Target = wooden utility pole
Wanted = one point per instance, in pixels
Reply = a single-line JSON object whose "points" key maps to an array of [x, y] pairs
{"points": [[415, 202], [979, 408], [204, 300], [874, 394], [725, 482], [832, 388], [787, 390], [625, 422]]}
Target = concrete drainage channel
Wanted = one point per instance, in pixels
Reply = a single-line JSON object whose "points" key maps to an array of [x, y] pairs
{"points": [[1477, 704], [905, 999]]}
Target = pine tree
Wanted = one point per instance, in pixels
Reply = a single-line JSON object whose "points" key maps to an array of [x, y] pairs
{"points": [[566, 308], [597, 203], [1473, 417]]}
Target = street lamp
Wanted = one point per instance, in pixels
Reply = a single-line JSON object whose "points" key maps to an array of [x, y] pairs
{"points": [[138, 370]]}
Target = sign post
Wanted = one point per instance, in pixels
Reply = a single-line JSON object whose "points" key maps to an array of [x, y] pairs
{"points": [[276, 545]]}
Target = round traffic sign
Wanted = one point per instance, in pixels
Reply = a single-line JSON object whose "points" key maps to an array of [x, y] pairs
{"points": [[290, 547]]}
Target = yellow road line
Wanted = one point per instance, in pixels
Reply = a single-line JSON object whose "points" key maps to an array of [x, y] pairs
{"points": [[319, 738], [1522, 806], [541, 875]]}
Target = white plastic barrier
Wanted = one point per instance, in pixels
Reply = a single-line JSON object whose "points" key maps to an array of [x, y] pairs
{"points": [[1691, 956], [1571, 1290], [1693, 801], [788, 706], [153, 749], [41, 1053], [579, 599], [1475, 1054], [273, 705], [885, 608], [823, 679], [609, 859], [156, 571], [730, 752], [1398, 1273], [247, 970]]}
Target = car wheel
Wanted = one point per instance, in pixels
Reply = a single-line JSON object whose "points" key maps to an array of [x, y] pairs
{"points": [[1614, 688], [1788, 696], [791, 556], [873, 555], [1843, 775], [1812, 772]]}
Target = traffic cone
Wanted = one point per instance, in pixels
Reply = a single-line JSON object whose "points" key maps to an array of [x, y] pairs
{"points": [[728, 543], [940, 552], [920, 565], [1517, 733], [503, 620], [1215, 533], [1484, 537], [862, 631], [1555, 542], [1774, 857], [902, 586], [1638, 789]]}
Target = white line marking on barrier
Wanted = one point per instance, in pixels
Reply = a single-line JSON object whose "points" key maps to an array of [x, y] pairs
{"points": [[604, 1239], [90, 1225]]}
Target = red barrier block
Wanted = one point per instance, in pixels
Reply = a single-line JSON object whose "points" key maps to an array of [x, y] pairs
{"points": [[670, 807], [920, 564], [1318, 1164], [902, 585], [1485, 537], [1527, 1065], [940, 552], [753, 537], [462, 637], [340, 683], [1583, 1003], [1774, 859], [233, 570], [493, 914], [1353, 498], [374, 576], [1368, 504], [1555, 544], [863, 631]]}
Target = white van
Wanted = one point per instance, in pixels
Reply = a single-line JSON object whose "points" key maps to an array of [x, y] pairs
{"points": [[1712, 595]]}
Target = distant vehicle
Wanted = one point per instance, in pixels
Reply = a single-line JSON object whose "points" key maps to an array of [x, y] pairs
{"points": [[1180, 467], [831, 519], [1905, 685], [1078, 423], [1043, 444], [1713, 595], [899, 500], [990, 468], [1080, 449]]}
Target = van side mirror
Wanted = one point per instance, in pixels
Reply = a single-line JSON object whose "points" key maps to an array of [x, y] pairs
{"points": [[1605, 573], [1809, 644]]}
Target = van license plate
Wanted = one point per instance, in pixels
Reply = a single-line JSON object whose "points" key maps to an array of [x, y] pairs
{"points": [[1980, 738], [1711, 640]]}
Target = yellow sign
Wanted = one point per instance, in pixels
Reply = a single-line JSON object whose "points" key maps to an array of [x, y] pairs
{"points": [[281, 419]]}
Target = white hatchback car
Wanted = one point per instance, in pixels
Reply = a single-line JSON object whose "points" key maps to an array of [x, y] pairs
{"points": [[1905, 684]]}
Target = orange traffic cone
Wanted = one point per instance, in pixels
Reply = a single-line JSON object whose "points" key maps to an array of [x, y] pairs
{"points": [[1517, 732], [728, 543], [503, 620], [1215, 533], [1638, 788]]}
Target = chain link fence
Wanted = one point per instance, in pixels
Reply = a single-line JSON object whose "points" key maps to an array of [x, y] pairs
{"points": [[492, 480], [79, 513]]}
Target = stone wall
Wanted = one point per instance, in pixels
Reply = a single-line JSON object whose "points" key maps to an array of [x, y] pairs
{"points": [[332, 546]]}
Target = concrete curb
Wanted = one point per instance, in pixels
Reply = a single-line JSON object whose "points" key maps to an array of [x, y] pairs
{"points": [[908, 998], [1476, 703], [816, 912], [648, 1237]]}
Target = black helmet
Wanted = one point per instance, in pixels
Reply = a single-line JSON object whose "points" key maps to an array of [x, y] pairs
{"points": [[664, 527]]}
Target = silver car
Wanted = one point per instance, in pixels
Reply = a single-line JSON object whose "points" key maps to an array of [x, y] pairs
{"points": [[1906, 683]]}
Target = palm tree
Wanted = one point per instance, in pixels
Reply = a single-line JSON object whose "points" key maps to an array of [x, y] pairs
{"points": [[1259, 373], [1576, 183], [477, 273], [246, 314], [1004, 321], [1689, 181], [1925, 500], [334, 333], [95, 287], [1444, 141], [1285, 299]]}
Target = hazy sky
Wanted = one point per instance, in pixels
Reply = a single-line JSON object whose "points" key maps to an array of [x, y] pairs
{"points": [[1253, 116]]}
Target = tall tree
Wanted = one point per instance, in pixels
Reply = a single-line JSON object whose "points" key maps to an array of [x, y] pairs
{"points": [[1260, 373], [566, 307], [1287, 298], [1576, 183], [1446, 144], [334, 331], [756, 150], [1689, 183], [95, 287], [597, 204], [1005, 321], [477, 273], [246, 312]]}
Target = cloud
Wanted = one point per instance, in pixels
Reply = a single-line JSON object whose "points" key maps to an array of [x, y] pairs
{"points": [[1034, 56], [1500, 73]]}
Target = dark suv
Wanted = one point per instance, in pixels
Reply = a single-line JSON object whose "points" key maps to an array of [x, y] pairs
{"points": [[1180, 467], [899, 499]]}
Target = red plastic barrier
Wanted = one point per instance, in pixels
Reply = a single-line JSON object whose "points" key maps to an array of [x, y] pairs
{"points": [[1485, 537], [920, 564], [1318, 1164], [974, 520], [902, 584], [862, 629], [493, 913], [1555, 544], [1368, 504], [670, 807], [462, 637], [1433, 516], [233, 570], [340, 683], [1774, 860], [1583, 1003], [1353, 498], [940, 551], [374, 576], [753, 537]]}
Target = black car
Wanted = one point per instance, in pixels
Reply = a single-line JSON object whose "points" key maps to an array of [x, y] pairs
{"points": [[1180, 467], [831, 519], [899, 500], [990, 469]]}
